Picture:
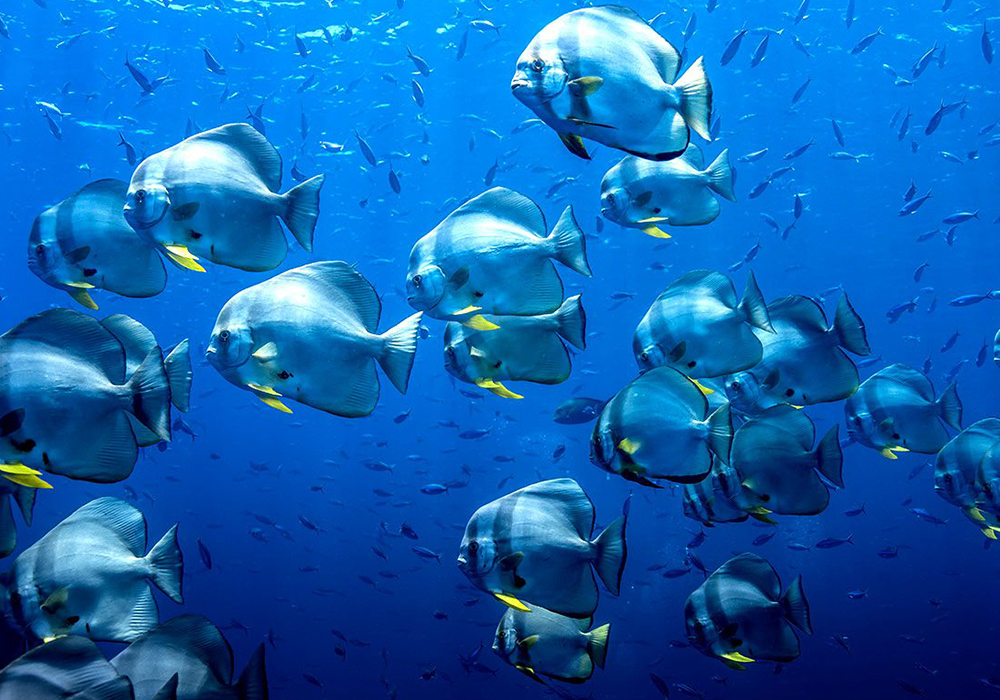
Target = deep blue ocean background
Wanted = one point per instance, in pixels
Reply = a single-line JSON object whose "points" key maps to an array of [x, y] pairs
{"points": [[934, 605]]}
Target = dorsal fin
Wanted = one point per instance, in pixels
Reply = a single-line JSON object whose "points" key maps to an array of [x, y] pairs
{"points": [[258, 151], [342, 280]]}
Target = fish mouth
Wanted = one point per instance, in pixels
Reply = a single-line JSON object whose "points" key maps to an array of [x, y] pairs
{"points": [[140, 224], [518, 83]]}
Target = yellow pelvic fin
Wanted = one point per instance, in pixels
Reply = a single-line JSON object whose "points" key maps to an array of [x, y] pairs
{"points": [[497, 388], [629, 446], [655, 232], [183, 257], [480, 323], [990, 532], [81, 297], [738, 657], [888, 453], [797, 408], [467, 310], [17, 468], [263, 389], [975, 514], [900, 449], [759, 510], [27, 480], [275, 403], [80, 285], [652, 220], [704, 389], [512, 602]]}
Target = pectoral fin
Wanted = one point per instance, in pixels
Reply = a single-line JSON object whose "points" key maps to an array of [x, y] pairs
{"points": [[185, 211], [480, 323], [575, 145], [56, 600], [263, 389], [27, 480], [586, 85], [528, 642], [629, 446], [975, 514], [266, 352], [512, 602]]}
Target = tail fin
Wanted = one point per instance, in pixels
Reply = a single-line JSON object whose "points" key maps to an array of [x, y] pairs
{"points": [[303, 210], [850, 329], [571, 246], [696, 98], [166, 565], [720, 432], [597, 644], [612, 551], [252, 684], [399, 345], [754, 307], [178, 366], [149, 395], [572, 322], [796, 607], [830, 458], [720, 176], [950, 407]]}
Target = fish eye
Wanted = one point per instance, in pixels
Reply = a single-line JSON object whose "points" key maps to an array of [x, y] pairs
{"points": [[72, 620], [947, 478], [140, 195], [537, 65], [473, 547], [224, 337], [417, 281], [735, 385], [40, 248], [644, 357]]}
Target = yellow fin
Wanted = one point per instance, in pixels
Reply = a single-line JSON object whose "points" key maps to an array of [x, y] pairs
{"points": [[480, 323], [18, 468], [738, 657], [27, 480], [512, 602], [80, 285], [704, 389], [629, 446], [989, 532], [497, 388], [797, 408], [275, 403], [263, 389], [655, 232], [81, 297], [183, 257], [975, 514], [759, 510], [586, 85], [900, 449], [888, 453], [467, 310], [652, 220]]}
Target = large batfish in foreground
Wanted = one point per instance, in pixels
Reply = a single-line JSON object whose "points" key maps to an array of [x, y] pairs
{"points": [[90, 576], [78, 396], [311, 335], [535, 547], [602, 73], [493, 255], [68, 668], [189, 657], [215, 195], [740, 614], [84, 243]]}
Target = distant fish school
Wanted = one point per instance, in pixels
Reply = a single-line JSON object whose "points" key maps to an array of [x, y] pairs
{"points": [[717, 406]]}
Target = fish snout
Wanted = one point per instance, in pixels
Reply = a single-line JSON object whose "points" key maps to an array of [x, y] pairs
{"points": [[518, 82]]}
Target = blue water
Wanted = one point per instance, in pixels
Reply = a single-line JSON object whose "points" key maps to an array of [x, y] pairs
{"points": [[939, 592]]}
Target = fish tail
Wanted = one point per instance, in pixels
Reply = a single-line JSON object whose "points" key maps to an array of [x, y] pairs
{"points": [[399, 346], [149, 395], [612, 552], [850, 329], [696, 98], [720, 176], [597, 644], [720, 432], [252, 684], [830, 458], [166, 565], [795, 606], [753, 306], [950, 407], [572, 322], [178, 367], [303, 210], [570, 244]]}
